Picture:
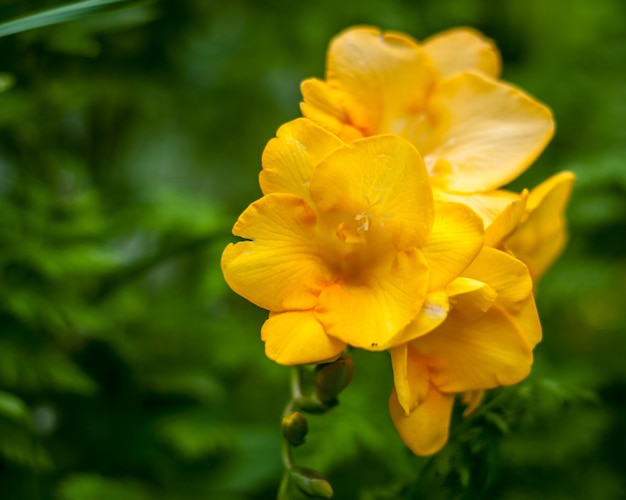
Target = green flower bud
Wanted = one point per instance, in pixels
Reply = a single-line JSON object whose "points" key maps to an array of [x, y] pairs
{"points": [[311, 482], [312, 404], [295, 428], [332, 378]]}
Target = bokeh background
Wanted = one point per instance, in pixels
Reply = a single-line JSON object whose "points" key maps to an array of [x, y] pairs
{"points": [[130, 140]]}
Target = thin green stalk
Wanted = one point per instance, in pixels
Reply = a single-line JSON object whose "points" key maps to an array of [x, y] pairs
{"points": [[54, 16], [296, 393]]}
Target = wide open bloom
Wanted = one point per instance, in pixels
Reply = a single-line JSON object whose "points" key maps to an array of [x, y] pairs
{"points": [[474, 132], [486, 341], [347, 246]]}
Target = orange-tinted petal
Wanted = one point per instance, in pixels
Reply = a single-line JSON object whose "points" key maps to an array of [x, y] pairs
{"points": [[425, 430], [410, 377], [296, 337], [381, 180], [280, 268], [289, 158], [369, 313], [469, 355], [463, 49], [454, 241], [386, 75], [494, 132], [540, 238]]}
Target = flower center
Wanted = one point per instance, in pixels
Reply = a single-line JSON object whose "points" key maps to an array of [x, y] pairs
{"points": [[358, 246], [364, 219]]}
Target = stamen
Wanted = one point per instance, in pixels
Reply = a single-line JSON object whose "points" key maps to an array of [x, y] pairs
{"points": [[365, 219]]}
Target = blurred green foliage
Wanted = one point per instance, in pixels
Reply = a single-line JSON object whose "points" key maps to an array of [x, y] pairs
{"points": [[130, 139]]}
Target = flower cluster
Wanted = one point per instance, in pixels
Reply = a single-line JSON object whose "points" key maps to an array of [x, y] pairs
{"points": [[384, 226]]}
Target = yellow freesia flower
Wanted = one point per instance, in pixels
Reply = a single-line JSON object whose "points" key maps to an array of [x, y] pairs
{"points": [[474, 132], [486, 341], [383, 224], [347, 246]]}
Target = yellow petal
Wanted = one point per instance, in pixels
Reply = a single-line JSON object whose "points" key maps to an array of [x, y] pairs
{"points": [[526, 318], [486, 205], [469, 355], [296, 337], [455, 239], [289, 158], [386, 75], [471, 298], [505, 274], [540, 238], [494, 133], [280, 268], [381, 180], [463, 49], [425, 430], [431, 315], [543, 255], [328, 107], [506, 222], [410, 377], [369, 314], [500, 210]]}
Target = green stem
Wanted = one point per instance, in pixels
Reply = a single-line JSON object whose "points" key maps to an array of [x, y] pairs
{"points": [[286, 453], [296, 383], [296, 393]]}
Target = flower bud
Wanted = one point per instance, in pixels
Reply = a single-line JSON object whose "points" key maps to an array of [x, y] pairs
{"points": [[311, 482], [332, 378], [295, 428]]}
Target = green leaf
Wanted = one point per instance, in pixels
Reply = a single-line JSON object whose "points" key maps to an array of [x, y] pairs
{"points": [[54, 16], [498, 421], [7, 80], [193, 434], [19, 446], [40, 369], [94, 487], [14, 408]]}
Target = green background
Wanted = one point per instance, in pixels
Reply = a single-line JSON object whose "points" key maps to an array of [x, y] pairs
{"points": [[130, 140]]}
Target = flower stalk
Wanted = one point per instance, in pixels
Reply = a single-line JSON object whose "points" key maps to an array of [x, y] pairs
{"points": [[326, 380]]}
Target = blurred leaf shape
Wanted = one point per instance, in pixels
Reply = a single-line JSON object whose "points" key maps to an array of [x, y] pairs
{"points": [[95, 487], [40, 369], [53, 16], [14, 408]]}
